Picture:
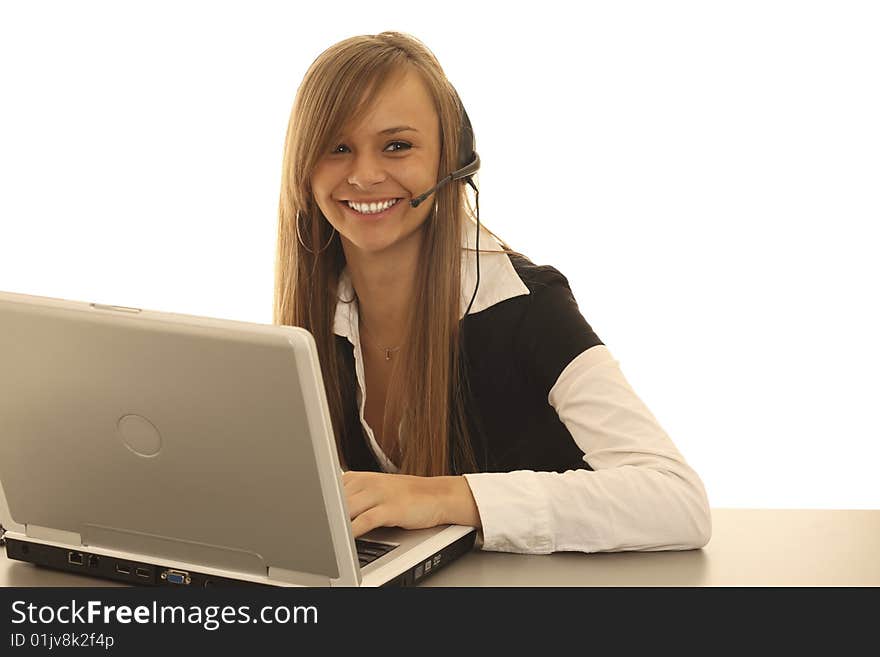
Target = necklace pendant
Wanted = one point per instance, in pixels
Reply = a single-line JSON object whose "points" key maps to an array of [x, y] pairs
{"points": [[387, 354]]}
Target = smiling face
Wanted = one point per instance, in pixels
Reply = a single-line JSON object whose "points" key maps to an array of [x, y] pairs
{"points": [[363, 185]]}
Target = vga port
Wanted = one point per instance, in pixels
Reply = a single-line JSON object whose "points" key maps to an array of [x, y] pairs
{"points": [[176, 576]]}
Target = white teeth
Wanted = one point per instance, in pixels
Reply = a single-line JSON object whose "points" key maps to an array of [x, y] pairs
{"points": [[371, 208]]}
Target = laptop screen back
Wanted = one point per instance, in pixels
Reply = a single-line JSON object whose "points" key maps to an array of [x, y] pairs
{"points": [[176, 439]]}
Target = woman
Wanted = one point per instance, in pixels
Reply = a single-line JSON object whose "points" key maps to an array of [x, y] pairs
{"points": [[464, 385]]}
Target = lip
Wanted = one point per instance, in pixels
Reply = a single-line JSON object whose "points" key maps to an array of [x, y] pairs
{"points": [[372, 217]]}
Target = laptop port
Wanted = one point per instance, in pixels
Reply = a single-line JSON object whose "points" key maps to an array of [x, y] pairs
{"points": [[76, 558], [93, 561], [175, 576], [123, 569], [142, 572]]}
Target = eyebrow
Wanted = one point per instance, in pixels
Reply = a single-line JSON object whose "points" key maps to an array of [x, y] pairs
{"points": [[396, 129]]}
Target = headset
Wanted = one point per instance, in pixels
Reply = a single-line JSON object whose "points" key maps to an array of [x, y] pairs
{"points": [[467, 165], [468, 160]]}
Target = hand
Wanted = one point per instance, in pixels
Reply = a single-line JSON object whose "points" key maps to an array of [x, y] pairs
{"points": [[377, 499]]}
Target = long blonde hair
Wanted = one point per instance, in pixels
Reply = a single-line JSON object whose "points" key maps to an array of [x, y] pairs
{"points": [[429, 386]]}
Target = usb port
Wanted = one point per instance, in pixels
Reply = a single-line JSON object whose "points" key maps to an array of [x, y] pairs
{"points": [[76, 558], [123, 569], [142, 572]]}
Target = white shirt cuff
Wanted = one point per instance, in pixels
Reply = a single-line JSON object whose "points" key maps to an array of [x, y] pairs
{"points": [[513, 511]]}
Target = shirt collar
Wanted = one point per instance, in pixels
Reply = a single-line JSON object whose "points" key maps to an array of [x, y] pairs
{"points": [[498, 282]]}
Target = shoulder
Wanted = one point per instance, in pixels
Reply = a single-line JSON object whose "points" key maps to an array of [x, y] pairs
{"points": [[523, 294], [550, 298], [537, 277]]}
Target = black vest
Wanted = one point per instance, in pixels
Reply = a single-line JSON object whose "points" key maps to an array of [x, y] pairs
{"points": [[514, 351]]}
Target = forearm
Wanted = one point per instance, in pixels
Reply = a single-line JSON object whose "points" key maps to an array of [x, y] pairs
{"points": [[626, 508]]}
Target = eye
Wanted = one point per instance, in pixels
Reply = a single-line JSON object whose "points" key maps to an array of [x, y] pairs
{"points": [[336, 150], [403, 144]]}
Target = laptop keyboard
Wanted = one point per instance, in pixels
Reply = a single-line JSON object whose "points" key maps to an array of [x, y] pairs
{"points": [[369, 551]]}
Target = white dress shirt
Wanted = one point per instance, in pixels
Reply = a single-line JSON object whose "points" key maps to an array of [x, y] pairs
{"points": [[641, 493]]}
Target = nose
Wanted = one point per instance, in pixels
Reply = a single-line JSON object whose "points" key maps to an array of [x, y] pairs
{"points": [[366, 170]]}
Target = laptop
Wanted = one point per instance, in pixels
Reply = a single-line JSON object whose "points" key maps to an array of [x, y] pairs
{"points": [[173, 450]]}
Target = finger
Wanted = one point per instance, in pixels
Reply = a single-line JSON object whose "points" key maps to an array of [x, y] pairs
{"points": [[367, 521], [353, 480], [349, 483], [360, 502]]}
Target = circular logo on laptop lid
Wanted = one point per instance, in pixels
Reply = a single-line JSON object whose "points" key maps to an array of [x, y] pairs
{"points": [[139, 435]]}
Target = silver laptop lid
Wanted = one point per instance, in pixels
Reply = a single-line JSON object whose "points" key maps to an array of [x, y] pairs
{"points": [[195, 439]]}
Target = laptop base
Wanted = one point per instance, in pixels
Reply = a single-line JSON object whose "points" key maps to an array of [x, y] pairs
{"points": [[130, 572]]}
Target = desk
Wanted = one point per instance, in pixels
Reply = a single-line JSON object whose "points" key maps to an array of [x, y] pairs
{"points": [[749, 547]]}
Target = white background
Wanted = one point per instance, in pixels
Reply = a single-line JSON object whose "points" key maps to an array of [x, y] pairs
{"points": [[705, 173]]}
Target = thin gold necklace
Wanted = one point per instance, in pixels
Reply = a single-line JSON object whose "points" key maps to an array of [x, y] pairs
{"points": [[388, 350]]}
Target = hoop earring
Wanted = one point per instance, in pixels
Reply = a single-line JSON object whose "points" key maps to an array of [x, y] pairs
{"points": [[300, 240]]}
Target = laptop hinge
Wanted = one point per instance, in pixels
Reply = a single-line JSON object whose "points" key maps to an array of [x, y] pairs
{"points": [[56, 535]]}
